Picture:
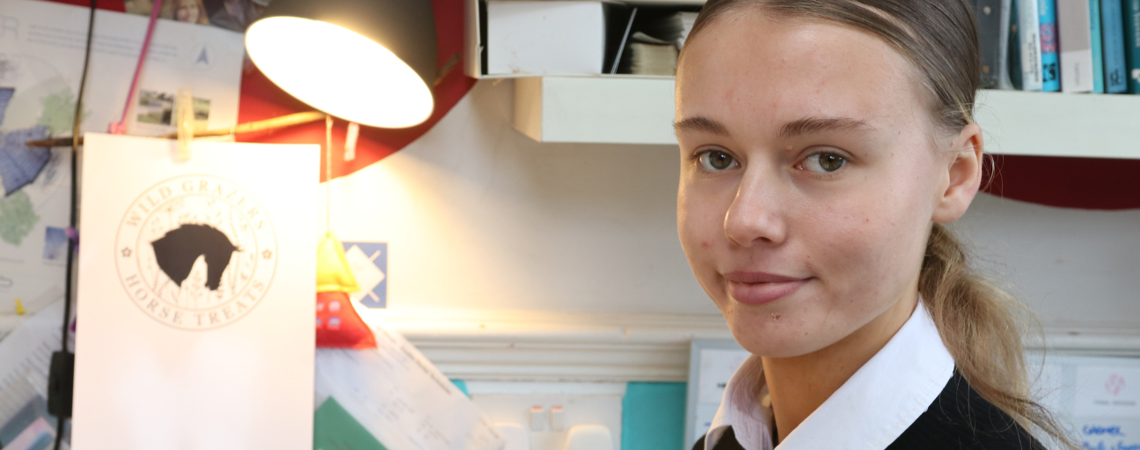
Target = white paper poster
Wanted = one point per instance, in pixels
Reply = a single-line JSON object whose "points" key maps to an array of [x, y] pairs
{"points": [[1108, 392], [41, 61], [196, 291]]}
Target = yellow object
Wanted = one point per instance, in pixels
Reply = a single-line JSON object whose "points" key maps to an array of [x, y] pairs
{"points": [[20, 308], [333, 274]]}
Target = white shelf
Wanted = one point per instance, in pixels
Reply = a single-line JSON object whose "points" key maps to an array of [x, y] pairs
{"points": [[639, 110]]}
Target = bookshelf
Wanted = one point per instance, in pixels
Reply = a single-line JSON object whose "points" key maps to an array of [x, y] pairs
{"points": [[629, 109]]}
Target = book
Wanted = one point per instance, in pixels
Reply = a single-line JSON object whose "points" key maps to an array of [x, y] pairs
{"points": [[1112, 33], [652, 56], [988, 14], [1073, 22], [1005, 45], [1013, 58], [1131, 13], [1029, 36], [1097, 47], [652, 41], [1050, 59], [688, 19]]}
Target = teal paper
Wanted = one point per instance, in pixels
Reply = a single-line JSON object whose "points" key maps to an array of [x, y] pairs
{"points": [[462, 385], [653, 416]]}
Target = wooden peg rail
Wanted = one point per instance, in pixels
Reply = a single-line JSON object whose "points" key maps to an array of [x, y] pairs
{"points": [[250, 127]]}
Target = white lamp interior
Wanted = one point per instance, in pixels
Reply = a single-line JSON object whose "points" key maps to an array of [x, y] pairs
{"points": [[339, 72]]}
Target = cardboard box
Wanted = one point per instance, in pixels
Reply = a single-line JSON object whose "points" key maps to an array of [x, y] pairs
{"points": [[545, 37]]}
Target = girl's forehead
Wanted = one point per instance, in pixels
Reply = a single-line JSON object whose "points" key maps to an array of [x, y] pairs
{"points": [[751, 65]]}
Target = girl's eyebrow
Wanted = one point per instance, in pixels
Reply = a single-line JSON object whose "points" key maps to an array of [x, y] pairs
{"points": [[809, 125], [701, 123]]}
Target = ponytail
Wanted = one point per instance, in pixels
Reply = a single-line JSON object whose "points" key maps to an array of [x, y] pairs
{"points": [[979, 324]]}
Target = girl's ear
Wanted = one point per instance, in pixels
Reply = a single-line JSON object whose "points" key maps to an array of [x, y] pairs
{"points": [[963, 175]]}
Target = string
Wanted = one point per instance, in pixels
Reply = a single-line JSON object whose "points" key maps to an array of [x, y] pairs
{"points": [[120, 127], [328, 174], [62, 417]]}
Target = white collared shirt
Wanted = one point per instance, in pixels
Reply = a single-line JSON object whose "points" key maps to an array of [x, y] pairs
{"points": [[869, 411]]}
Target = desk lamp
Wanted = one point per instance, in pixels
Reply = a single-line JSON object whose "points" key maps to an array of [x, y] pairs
{"points": [[366, 61]]}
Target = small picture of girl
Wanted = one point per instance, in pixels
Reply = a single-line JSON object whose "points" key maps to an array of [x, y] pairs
{"points": [[191, 11]]}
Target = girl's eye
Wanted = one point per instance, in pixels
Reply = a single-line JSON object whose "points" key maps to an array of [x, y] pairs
{"points": [[716, 160], [824, 162]]}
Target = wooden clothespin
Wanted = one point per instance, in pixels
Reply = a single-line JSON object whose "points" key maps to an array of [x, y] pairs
{"points": [[350, 141], [185, 121]]}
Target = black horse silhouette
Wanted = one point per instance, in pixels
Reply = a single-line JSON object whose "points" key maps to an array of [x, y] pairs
{"points": [[179, 248]]}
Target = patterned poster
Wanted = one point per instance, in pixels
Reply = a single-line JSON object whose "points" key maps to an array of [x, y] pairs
{"points": [[196, 284], [41, 60]]}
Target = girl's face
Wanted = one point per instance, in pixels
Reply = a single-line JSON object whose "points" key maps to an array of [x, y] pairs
{"points": [[187, 12], [809, 178]]}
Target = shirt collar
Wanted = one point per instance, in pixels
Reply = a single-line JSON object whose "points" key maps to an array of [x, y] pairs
{"points": [[869, 411]]}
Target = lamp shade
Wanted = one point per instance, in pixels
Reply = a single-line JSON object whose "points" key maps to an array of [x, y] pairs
{"points": [[366, 61]]}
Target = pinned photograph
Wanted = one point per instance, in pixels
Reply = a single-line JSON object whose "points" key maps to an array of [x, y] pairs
{"points": [[55, 244], [157, 108], [235, 15]]}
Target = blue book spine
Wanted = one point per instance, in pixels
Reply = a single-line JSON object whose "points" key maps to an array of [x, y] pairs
{"points": [[1097, 49], [1132, 44], [1115, 68], [1050, 61]]}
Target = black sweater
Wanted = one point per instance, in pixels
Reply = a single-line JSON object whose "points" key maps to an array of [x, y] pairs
{"points": [[958, 419]]}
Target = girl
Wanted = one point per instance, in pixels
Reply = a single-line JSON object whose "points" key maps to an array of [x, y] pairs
{"points": [[192, 11], [824, 144]]}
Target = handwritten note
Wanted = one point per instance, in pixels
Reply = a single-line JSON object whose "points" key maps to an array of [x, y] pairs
{"points": [[1109, 435]]}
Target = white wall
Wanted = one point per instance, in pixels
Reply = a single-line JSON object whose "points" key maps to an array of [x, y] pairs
{"points": [[480, 218], [1078, 269]]}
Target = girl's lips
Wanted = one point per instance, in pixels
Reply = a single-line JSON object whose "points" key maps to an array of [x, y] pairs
{"points": [[758, 288]]}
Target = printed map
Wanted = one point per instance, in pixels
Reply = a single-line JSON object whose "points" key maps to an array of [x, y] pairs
{"points": [[35, 102]]}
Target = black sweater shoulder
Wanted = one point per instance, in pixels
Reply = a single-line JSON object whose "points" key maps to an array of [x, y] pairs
{"points": [[961, 419], [958, 419]]}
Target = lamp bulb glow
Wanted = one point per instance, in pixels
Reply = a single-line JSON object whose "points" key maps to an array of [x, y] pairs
{"points": [[339, 71]]}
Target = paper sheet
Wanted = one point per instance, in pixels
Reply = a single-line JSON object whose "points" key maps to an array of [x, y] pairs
{"points": [[1105, 391], [196, 293], [1094, 398], [716, 367], [25, 356], [401, 398], [1109, 434]]}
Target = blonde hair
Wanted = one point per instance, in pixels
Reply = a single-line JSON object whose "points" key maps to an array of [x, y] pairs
{"points": [[979, 323]]}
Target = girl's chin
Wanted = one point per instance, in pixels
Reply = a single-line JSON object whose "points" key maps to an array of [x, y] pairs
{"points": [[774, 336]]}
